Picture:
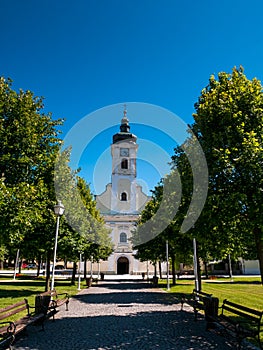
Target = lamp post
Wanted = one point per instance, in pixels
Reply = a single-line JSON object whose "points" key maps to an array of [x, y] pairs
{"points": [[58, 210], [16, 262]]}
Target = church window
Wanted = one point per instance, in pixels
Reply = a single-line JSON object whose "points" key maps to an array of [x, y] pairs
{"points": [[124, 196], [124, 164], [123, 237]]}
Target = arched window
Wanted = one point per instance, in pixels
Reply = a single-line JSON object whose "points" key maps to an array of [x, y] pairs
{"points": [[124, 196], [124, 164], [123, 237]]}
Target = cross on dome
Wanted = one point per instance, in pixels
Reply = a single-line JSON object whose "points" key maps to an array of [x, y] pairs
{"points": [[125, 120], [124, 133]]}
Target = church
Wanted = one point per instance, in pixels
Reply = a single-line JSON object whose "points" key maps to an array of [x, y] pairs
{"points": [[121, 204]]}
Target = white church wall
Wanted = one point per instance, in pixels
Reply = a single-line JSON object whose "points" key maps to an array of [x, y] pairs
{"points": [[103, 201]]}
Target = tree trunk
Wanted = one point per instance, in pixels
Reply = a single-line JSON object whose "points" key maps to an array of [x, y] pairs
{"points": [[39, 262], [73, 277], [85, 268], [155, 269], [160, 269], [259, 243], [19, 266], [173, 268], [47, 285], [206, 269], [198, 268]]}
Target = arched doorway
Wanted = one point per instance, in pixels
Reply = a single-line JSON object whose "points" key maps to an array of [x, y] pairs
{"points": [[122, 266]]}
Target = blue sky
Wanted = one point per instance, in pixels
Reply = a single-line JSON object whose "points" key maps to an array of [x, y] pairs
{"points": [[84, 55]]}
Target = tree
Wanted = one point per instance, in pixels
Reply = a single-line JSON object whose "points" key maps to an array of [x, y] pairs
{"points": [[29, 144], [229, 126], [82, 229], [29, 139], [33, 174], [160, 222], [102, 246], [187, 211]]}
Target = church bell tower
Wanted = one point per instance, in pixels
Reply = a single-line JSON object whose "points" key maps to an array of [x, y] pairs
{"points": [[124, 154], [122, 202]]}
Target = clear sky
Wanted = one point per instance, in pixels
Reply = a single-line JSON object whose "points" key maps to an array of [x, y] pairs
{"points": [[85, 55]]}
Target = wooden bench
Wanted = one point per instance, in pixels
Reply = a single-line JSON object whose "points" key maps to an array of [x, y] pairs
{"points": [[9, 328], [240, 321], [49, 302], [198, 300], [7, 334]]}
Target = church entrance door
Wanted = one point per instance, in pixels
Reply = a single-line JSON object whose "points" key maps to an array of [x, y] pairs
{"points": [[122, 266]]}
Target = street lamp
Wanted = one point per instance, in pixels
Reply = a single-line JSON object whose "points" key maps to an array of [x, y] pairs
{"points": [[58, 210]]}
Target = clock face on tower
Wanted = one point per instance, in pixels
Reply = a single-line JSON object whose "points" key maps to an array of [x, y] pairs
{"points": [[124, 152]]}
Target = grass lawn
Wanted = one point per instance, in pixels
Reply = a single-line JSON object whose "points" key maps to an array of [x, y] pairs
{"points": [[247, 291], [12, 291]]}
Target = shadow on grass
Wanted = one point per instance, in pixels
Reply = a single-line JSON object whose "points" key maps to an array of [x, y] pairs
{"points": [[233, 282], [25, 288]]}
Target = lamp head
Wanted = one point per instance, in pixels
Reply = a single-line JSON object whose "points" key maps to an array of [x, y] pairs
{"points": [[59, 208]]}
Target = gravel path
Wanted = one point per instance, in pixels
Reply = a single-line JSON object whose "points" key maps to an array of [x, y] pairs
{"points": [[127, 315]]}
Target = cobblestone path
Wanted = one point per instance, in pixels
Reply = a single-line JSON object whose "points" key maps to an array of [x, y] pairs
{"points": [[127, 315]]}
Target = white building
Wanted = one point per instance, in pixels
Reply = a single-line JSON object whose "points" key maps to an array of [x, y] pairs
{"points": [[121, 203], [250, 267]]}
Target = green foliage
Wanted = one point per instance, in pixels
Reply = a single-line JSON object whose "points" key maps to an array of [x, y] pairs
{"points": [[160, 222], [229, 126], [82, 227], [30, 165], [3, 252], [28, 139], [29, 144], [102, 246]]}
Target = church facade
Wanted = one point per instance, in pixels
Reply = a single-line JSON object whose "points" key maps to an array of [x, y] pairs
{"points": [[121, 203]]}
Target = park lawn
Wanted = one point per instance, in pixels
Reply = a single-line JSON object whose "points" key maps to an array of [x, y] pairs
{"points": [[12, 291], [247, 291]]}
